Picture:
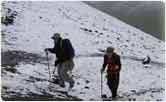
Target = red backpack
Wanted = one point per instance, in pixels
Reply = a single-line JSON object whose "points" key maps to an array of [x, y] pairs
{"points": [[111, 65]]}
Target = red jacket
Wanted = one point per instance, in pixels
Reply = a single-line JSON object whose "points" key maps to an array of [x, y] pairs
{"points": [[111, 62]]}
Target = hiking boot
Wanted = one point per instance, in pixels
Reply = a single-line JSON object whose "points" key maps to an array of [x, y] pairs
{"points": [[71, 85], [104, 96], [114, 97], [55, 81], [62, 84]]}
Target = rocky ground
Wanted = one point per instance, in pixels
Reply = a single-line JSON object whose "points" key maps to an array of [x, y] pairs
{"points": [[17, 71]]}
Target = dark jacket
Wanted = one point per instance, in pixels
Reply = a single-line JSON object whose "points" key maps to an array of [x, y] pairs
{"points": [[115, 60], [63, 50]]}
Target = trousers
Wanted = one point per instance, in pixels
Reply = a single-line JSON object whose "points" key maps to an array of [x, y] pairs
{"points": [[113, 83]]}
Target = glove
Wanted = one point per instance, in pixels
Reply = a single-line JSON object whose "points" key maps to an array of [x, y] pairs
{"points": [[56, 63], [46, 50]]}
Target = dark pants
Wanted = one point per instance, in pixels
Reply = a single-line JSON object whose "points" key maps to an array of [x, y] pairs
{"points": [[113, 83]]}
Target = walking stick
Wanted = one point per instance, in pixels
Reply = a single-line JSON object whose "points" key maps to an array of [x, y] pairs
{"points": [[103, 96], [101, 84], [54, 70], [48, 67]]}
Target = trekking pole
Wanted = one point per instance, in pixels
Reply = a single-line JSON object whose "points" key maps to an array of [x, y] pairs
{"points": [[101, 84], [48, 66], [54, 70]]}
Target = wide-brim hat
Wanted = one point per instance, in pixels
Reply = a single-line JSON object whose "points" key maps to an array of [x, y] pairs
{"points": [[110, 50], [55, 36]]}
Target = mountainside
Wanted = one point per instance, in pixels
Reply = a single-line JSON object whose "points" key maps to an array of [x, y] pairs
{"points": [[24, 67], [145, 15]]}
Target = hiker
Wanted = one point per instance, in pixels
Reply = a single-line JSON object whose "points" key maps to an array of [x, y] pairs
{"points": [[113, 63], [146, 60], [64, 59]]}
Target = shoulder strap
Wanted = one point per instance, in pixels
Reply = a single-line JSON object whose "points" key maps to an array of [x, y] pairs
{"points": [[61, 43]]}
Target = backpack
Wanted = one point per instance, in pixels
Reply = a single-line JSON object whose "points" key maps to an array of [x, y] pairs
{"points": [[68, 48], [112, 63]]}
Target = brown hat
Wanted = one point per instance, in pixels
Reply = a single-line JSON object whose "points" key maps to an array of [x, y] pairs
{"points": [[110, 50], [55, 36]]}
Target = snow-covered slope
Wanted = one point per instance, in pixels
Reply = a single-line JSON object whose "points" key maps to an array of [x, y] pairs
{"points": [[37, 21], [90, 32]]}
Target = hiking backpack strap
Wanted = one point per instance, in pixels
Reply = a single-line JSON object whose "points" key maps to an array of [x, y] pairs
{"points": [[61, 44]]}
